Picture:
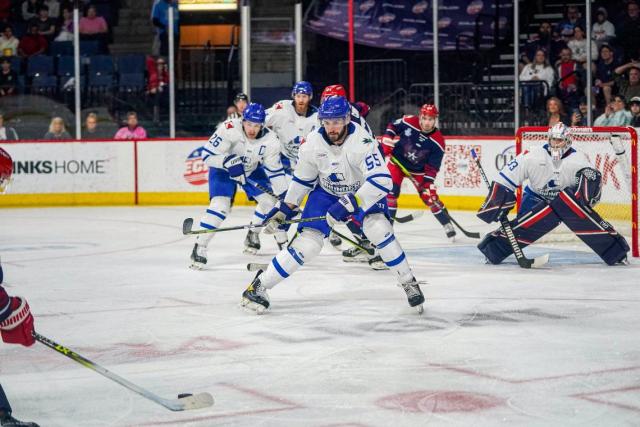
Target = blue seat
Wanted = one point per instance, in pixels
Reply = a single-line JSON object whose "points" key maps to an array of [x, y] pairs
{"points": [[131, 82], [16, 64], [101, 64], [66, 66], [44, 82], [40, 65], [101, 80], [131, 64], [89, 47], [61, 49]]}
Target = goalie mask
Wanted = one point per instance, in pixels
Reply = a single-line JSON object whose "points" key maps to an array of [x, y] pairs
{"points": [[559, 141]]}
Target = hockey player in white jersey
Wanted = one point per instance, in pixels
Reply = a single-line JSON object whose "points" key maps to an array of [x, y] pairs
{"points": [[341, 169], [356, 115], [241, 151], [561, 186], [292, 120]]}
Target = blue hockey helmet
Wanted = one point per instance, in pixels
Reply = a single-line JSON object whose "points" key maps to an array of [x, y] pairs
{"points": [[254, 113], [302, 87], [334, 107]]}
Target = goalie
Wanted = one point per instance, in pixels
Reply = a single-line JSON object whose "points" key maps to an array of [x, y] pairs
{"points": [[562, 186]]}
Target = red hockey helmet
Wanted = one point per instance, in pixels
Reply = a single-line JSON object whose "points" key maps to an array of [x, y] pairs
{"points": [[333, 90], [6, 168], [429, 110]]}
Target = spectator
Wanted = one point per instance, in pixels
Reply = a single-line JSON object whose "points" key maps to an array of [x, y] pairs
{"points": [[8, 43], [30, 9], [92, 130], [615, 114], [578, 46], [66, 29], [160, 20], [94, 27], [569, 72], [132, 130], [158, 75], [57, 130], [32, 43], [604, 72], [602, 30], [46, 25], [579, 116], [5, 10], [634, 106], [539, 70], [8, 78], [7, 133], [631, 86], [54, 8], [629, 34], [572, 18], [556, 113], [240, 101]]}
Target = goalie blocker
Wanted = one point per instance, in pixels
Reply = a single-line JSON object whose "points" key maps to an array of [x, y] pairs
{"points": [[572, 206]]}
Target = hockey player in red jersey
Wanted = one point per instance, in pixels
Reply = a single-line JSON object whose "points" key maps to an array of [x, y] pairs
{"points": [[16, 321], [414, 145]]}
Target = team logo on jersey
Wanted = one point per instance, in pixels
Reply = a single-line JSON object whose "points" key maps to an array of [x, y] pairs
{"points": [[407, 132], [196, 171], [336, 177], [229, 125]]}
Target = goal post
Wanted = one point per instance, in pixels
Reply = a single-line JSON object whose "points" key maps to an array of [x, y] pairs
{"points": [[614, 152]]}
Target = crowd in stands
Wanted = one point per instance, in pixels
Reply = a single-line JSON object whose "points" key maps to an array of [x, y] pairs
{"points": [[553, 67]]}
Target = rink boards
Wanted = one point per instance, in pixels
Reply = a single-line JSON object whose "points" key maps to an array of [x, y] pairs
{"points": [[170, 172]]}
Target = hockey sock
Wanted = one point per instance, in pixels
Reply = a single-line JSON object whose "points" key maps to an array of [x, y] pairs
{"points": [[304, 248], [265, 204], [439, 214], [213, 217], [380, 232]]}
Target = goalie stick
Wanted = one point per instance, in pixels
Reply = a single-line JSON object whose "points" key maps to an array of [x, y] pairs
{"points": [[184, 402], [471, 234], [523, 261]]}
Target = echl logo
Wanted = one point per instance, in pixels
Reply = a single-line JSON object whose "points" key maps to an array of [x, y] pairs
{"points": [[196, 171]]}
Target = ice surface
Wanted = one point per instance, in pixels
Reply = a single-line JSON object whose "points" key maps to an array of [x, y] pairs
{"points": [[497, 345]]}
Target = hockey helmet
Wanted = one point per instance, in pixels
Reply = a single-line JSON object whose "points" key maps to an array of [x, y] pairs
{"points": [[254, 113], [6, 168], [334, 107], [333, 90], [429, 110], [302, 87], [241, 97]]}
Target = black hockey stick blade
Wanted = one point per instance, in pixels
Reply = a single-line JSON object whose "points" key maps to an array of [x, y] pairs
{"points": [[255, 266], [187, 225], [470, 234], [410, 217], [184, 403]]}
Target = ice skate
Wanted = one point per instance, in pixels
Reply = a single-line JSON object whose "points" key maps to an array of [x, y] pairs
{"points": [[335, 240], [9, 421], [356, 254], [255, 297], [198, 257], [376, 263], [450, 232], [415, 296], [252, 243]]}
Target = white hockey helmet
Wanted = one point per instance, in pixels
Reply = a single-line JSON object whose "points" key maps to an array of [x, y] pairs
{"points": [[560, 132]]}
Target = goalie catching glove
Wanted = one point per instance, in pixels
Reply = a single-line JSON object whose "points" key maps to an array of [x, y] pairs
{"points": [[589, 186], [276, 216], [497, 204], [340, 211]]}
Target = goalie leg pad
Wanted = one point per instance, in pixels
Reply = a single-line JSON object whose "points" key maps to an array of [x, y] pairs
{"points": [[215, 214], [306, 246], [595, 232], [379, 231], [527, 228]]}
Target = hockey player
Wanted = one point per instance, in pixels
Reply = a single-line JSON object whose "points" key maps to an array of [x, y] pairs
{"points": [[292, 120], [417, 144], [562, 186], [241, 151], [343, 173], [16, 321], [356, 116]]}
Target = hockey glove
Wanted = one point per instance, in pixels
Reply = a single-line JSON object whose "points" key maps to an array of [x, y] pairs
{"points": [[342, 209], [234, 165], [280, 213], [429, 194], [18, 327], [497, 204]]}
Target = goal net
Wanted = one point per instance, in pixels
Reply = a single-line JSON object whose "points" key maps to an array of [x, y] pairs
{"points": [[614, 152]]}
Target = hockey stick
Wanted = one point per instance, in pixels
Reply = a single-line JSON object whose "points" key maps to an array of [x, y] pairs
{"points": [[187, 225], [184, 402], [523, 261], [409, 218], [473, 235]]}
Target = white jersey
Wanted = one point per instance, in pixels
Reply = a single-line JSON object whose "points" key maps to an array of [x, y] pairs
{"points": [[291, 127], [230, 138], [546, 177], [355, 167], [357, 118]]}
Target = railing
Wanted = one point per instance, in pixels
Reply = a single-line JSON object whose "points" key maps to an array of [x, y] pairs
{"points": [[376, 78]]}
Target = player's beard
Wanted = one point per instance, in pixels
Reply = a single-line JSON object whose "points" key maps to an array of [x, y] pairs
{"points": [[337, 138]]}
